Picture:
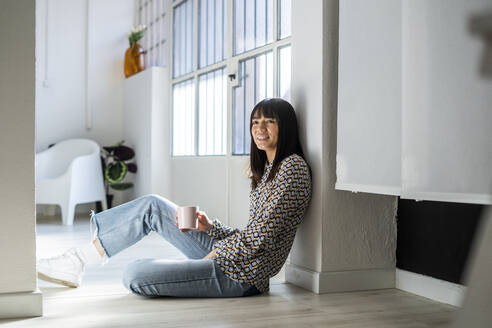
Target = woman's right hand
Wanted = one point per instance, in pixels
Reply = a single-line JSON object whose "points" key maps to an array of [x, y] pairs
{"points": [[204, 223]]}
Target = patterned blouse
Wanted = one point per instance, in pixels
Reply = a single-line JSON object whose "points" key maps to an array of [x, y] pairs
{"points": [[276, 209]]}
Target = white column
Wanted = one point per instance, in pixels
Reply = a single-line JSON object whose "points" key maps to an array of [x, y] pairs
{"points": [[19, 296], [347, 241]]}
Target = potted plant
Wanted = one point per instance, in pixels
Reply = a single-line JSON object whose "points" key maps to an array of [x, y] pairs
{"points": [[134, 55], [115, 167]]}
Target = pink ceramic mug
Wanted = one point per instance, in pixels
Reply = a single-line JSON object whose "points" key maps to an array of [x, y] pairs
{"points": [[187, 218]]}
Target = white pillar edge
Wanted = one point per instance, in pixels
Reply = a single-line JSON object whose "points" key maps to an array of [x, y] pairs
{"points": [[21, 305]]}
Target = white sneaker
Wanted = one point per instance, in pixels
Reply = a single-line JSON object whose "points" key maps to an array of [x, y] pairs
{"points": [[66, 269]]}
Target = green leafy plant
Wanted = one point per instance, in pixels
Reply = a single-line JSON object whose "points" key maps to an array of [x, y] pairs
{"points": [[115, 166], [136, 34]]}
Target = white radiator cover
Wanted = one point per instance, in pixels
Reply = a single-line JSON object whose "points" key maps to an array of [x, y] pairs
{"points": [[413, 109]]}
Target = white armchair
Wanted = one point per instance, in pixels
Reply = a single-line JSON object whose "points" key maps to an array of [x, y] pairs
{"points": [[70, 173]]}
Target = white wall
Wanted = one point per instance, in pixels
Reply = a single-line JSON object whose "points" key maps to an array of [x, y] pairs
{"points": [[201, 181], [17, 233], [347, 241], [217, 184], [80, 46]]}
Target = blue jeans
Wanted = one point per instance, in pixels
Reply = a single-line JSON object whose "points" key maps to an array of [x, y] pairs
{"points": [[124, 225]]}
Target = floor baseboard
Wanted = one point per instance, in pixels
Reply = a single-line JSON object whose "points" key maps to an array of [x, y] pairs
{"points": [[432, 288], [340, 281]]}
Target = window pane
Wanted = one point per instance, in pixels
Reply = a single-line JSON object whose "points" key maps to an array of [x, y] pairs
{"points": [[238, 26], [249, 99], [261, 82], [261, 31], [212, 31], [284, 72], [253, 24], [269, 17], [183, 38], [249, 22], [212, 110], [285, 18], [176, 45], [202, 50], [255, 84], [184, 118], [220, 21], [238, 119], [189, 36], [269, 75]]}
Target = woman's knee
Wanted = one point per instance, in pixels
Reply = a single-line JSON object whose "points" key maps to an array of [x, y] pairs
{"points": [[161, 203], [134, 274], [153, 198]]}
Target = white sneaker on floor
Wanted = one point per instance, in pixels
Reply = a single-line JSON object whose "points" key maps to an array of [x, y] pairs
{"points": [[66, 269]]}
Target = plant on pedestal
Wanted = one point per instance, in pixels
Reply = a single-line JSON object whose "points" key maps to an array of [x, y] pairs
{"points": [[134, 55], [115, 167]]}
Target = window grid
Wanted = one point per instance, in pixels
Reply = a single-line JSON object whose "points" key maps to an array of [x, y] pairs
{"points": [[231, 64], [152, 13]]}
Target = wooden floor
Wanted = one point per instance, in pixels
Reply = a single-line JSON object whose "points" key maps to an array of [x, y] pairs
{"points": [[102, 301]]}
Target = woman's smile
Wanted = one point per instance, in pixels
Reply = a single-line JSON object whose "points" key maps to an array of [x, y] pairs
{"points": [[261, 138]]}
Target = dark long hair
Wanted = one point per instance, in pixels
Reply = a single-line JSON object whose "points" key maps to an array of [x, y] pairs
{"points": [[288, 142]]}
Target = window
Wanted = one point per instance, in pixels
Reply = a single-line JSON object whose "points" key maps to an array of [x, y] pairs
{"points": [[212, 32], [285, 18], [152, 13], [184, 118], [253, 24], [183, 38], [212, 133], [284, 72], [225, 80]]}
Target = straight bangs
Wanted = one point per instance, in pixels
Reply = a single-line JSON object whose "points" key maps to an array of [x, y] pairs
{"points": [[266, 111]]}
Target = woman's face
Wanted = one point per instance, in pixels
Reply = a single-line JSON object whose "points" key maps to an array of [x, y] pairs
{"points": [[265, 132]]}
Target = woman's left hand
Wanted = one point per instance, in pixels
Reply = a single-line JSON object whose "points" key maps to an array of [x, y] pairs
{"points": [[210, 255]]}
